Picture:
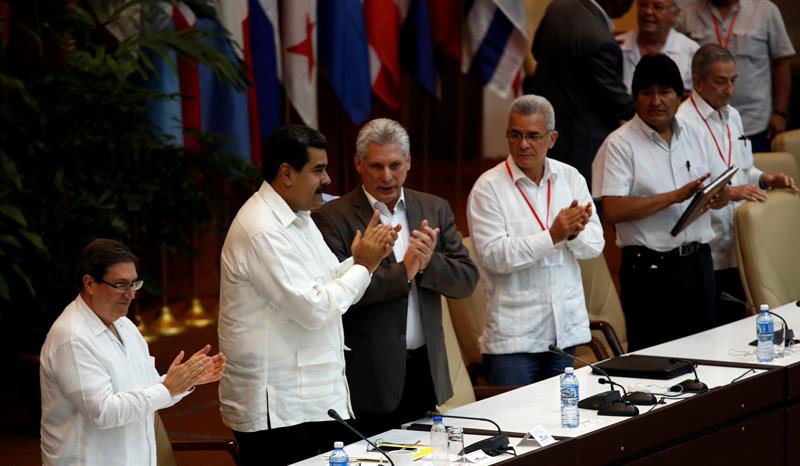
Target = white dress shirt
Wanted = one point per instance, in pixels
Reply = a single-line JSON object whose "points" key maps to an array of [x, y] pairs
{"points": [[98, 393], [759, 37], [636, 161], [534, 287], [723, 248], [282, 296], [678, 47], [415, 336]]}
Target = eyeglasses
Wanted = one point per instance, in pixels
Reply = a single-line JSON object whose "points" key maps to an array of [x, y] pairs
{"points": [[125, 287], [517, 136]]}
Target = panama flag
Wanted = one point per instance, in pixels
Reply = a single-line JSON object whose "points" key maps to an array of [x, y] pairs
{"points": [[495, 43], [299, 40]]}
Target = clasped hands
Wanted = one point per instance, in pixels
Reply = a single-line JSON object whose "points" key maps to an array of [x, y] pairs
{"points": [[197, 370], [570, 221], [376, 243]]}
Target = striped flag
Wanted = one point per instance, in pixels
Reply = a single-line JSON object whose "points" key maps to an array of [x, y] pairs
{"points": [[495, 43], [299, 37], [263, 55], [383, 19]]}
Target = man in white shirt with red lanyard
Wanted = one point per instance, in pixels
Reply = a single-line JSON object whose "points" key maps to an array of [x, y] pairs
{"points": [[714, 74], [530, 219], [754, 32]]}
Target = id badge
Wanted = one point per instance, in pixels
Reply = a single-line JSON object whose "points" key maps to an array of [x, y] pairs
{"points": [[555, 259]]}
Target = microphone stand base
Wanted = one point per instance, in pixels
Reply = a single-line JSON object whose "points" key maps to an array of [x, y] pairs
{"points": [[619, 409], [600, 401], [492, 446], [693, 386]]}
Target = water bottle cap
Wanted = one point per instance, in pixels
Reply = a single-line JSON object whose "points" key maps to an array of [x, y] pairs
{"points": [[569, 370], [764, 307], [437, 418], [338, 444]]}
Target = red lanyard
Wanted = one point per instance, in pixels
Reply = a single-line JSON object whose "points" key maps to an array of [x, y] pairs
{"points": [[719, 149], [730, 30], [530, 206]]}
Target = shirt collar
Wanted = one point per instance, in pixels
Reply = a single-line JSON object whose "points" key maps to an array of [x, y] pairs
{"points": [[706, 110], [517, 173], [376, 204], [96, 326], [278, 205], [677, 128], [715, 11], [609, 23]]}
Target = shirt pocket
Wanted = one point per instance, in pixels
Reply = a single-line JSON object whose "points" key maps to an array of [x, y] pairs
{"points": [[519, 312], [752, 45], [319, 369]]}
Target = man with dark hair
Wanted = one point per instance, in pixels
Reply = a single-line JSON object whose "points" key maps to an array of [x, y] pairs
{"points": [[715, 77], [100, 388], [282, 296], [651, 167], [397, 369], [579, 70]]}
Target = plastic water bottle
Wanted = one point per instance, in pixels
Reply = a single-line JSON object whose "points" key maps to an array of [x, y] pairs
{"points": [[765, 332], [339, 456], [439, 443], [570, 416]]}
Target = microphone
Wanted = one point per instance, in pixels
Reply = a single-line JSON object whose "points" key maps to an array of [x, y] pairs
{"points": [[607, 403], [635, 398], [492, 446], [335, 416], [788, 334], [689, 385]]}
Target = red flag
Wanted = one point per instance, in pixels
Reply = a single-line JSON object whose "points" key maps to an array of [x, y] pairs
{"points": [[446, 18], [383, 19], [189, 77]]}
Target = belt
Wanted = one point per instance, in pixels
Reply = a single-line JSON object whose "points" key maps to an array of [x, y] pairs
{"points": [[681, 251]]}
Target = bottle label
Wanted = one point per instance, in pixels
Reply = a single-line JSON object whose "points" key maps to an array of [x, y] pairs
{"points": [[569, 391], [764, 328]]}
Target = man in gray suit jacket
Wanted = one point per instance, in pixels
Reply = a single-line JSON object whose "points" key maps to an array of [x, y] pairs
{"points": [[579, 70], [397, 363]]}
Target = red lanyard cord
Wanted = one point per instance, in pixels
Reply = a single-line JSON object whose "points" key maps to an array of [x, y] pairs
{"points": [[730, 30], [719, 149], [530, 206]]}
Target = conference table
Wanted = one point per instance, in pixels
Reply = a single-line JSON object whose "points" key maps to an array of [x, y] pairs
{"points": [[750, 415]]}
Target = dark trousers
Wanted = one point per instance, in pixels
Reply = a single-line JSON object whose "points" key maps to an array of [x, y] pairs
{"points": [[286, 445], [525, 368], [418, 398], [728, 281], [666, 296]]}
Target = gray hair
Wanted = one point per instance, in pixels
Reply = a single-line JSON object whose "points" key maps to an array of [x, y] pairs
{"points": [[382, 131], [527, 105], [706, 56]]}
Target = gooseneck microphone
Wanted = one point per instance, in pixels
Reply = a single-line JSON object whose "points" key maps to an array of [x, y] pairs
{"points": [[607, 403], [492, 446], [336, 417], [788, 334], [689, 385]]}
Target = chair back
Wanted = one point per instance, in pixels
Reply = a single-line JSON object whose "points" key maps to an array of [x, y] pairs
{"points": [[788, 141], [468, 319], [165, 456], [767, 248], [777, 162], [602, 300], [463, 392]]}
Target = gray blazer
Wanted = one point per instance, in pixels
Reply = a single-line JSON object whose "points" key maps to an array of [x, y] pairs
{"points": [[375, 327]]}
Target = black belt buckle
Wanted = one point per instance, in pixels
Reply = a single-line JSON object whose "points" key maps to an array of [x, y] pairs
{"points": [[687, 249]]}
